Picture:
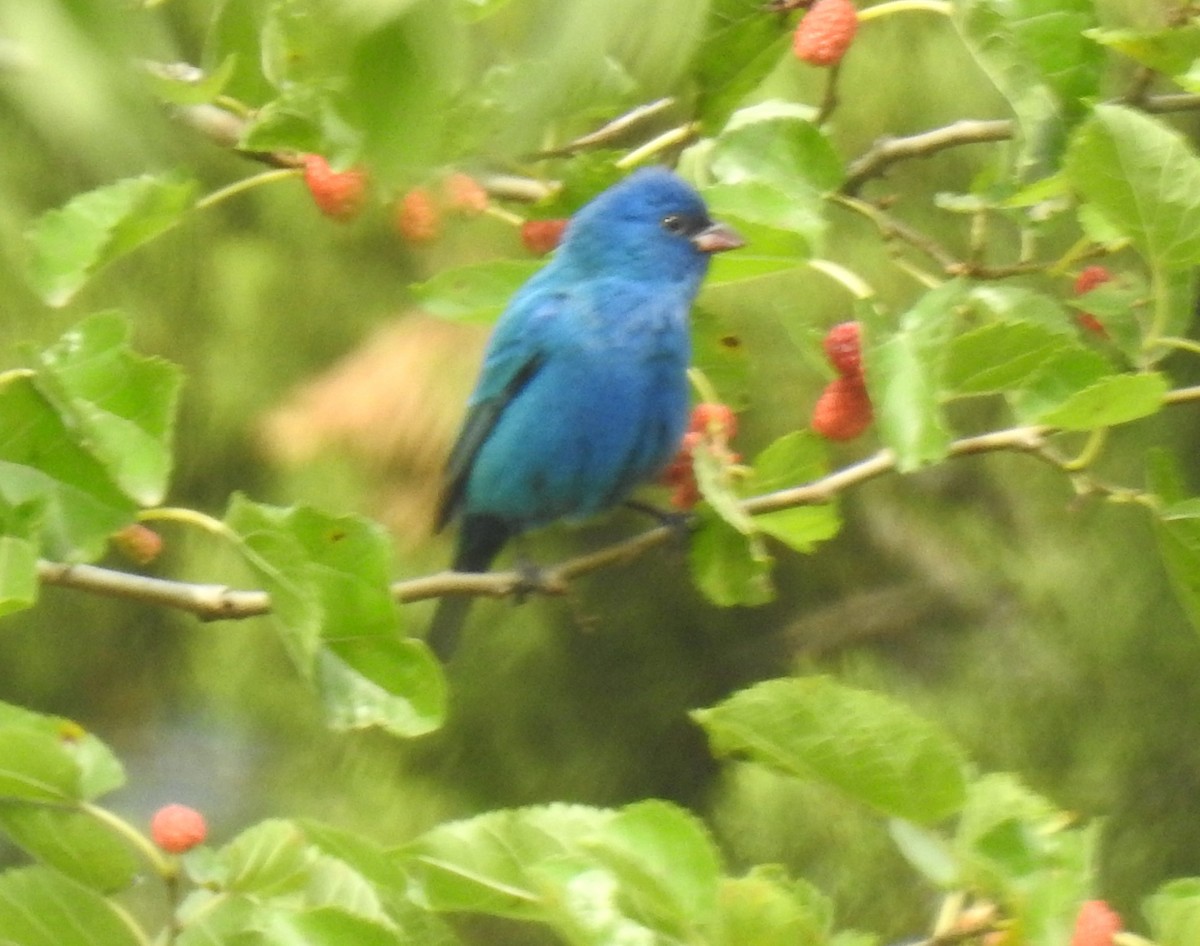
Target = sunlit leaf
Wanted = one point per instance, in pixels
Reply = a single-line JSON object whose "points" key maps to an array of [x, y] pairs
{"points": [[767, 908], [1145, 178], [728, 566], [1177, 528], [495, 863], [905, 378], [73, 842], [777, 143], [329, 582], [42, 462], [1174, 912], [774, 222], [1171, 51], [121, 405], [477, 291], [665, 861], [998, 356], [1105, 402], [97, 227], [866, 745], [41, 907], [18, 574]]}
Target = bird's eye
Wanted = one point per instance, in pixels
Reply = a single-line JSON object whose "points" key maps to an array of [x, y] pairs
{"points": [[675, 223]]}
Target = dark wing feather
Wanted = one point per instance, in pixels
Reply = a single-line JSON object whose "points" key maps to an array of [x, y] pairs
{"points": [[481, 420]]}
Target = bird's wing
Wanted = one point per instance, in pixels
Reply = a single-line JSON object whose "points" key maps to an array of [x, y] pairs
{"points": [[515, 354]]}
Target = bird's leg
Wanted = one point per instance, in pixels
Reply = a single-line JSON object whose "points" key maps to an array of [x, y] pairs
{"points": [[530, 576], [680, 523]]}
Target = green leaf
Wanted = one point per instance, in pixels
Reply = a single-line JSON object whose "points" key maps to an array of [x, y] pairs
{"points": [[1174, 294], [927, 851], [324, 926], [42, 464], [998, 357], [665, 862], [719, 354], [186, 85], [1019, 304], [34, 766], [768, 908], [734, 59], [1170, 51], [1174, 912], [121, 405], [801, 528], [596, 876], [777, 143], [729, 567], [865, 745], [710, 467], [39, 907], [1016, 847], [476, 292], [73, 842], [496, 863], [1145, 179], [774, 222], [1177, 528], [905, 378], [792, 460], [215, 918], [18, 574], [990, 31], [70, 244], [1106, 402], [363, 854], [270, 859], [328, 577]]}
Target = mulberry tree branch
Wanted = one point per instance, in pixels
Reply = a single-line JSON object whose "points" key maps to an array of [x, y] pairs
{"points": [[215, 602]]}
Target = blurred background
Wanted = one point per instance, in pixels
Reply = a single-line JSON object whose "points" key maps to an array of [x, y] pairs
{"points": [[1037, 627]]}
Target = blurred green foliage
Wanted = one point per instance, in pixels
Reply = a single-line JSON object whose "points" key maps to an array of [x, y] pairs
{"points": [[1036, 627]]}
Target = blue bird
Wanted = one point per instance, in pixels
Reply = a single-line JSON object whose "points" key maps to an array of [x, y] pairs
{"points": [[583, 394]]}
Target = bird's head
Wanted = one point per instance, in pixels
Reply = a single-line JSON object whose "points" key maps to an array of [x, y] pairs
{"points": [[650, 225]]}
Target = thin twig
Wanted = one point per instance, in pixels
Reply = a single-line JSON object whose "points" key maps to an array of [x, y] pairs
{"points": [[887, 151], [610, 132]]}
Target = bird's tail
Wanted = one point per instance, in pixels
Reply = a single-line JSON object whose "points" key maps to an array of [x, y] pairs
{"points": [[480, 541]]}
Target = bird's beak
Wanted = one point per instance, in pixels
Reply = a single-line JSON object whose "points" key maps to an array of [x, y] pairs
{"points": [[717, 238]]}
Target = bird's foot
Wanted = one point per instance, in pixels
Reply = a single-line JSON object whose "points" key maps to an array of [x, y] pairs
{"points": [[680, 523], [530, 580]]}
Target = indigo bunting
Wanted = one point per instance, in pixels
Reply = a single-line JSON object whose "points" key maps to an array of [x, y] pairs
{"points": [[583, 394]]}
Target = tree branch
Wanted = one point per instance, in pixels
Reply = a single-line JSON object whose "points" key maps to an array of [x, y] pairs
{"points": [[887, 151], [214, 602]]}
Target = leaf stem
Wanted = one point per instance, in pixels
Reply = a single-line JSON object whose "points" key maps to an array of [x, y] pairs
{"points": [[245, 184], [164, 866], [660, 143], [944, 7], [15, 374], [850, 281], [190, 517], [704, 388], [1091, 450], [1182, 344]]}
